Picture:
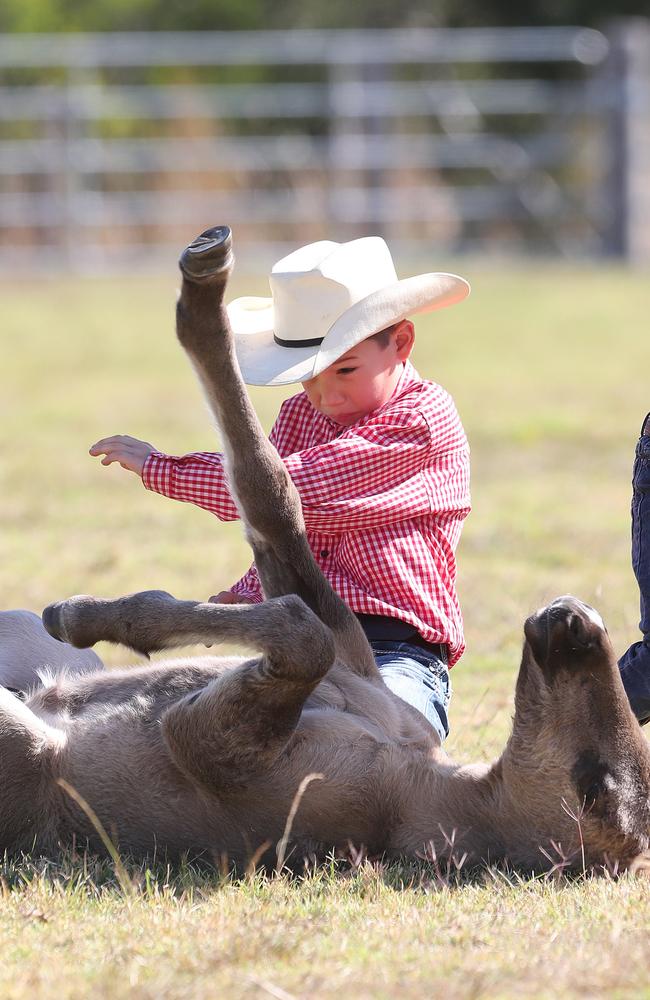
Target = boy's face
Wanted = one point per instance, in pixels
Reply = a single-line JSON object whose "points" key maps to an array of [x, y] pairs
{"points": [[363, 379]]}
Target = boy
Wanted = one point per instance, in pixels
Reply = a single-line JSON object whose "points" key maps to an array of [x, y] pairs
{"points": [[377, 454]]}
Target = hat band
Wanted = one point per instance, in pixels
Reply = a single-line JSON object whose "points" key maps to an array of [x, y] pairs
{"points": [[314, 342]]}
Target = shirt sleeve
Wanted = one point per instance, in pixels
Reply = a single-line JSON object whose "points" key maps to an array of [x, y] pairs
{"points": [[393, 468], [249, 586], [198, 478]]}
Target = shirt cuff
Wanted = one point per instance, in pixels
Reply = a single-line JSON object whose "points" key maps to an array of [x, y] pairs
{"points": [[242, 590], [157, 473]]}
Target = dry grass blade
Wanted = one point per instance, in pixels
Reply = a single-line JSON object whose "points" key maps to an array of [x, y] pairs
{"points": [[126, 883], [271, 989], [577, 818], [302, 788], [251, 867]]}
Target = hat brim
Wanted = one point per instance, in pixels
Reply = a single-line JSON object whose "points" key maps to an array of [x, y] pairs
{"points": [[264, 362]]}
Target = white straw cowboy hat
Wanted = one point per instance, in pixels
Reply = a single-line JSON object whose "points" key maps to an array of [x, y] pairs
{"points": [[326, 298]]}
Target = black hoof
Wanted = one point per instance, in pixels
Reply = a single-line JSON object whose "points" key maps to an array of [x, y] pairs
{"points": [[64, 620], [209, 255], [53, 621]]}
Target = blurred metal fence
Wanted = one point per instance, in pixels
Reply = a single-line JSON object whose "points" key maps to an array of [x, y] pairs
{"points": [[115, 148]]}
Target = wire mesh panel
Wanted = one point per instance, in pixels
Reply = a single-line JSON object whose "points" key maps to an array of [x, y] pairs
{"points": [[116, 148]]}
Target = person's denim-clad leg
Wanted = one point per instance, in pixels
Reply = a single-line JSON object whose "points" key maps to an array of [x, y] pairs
{"points": [[417, 676], [635, 663]]}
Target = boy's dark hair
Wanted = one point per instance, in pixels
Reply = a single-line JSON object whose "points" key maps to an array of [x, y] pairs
{"points": [[382, 337]]}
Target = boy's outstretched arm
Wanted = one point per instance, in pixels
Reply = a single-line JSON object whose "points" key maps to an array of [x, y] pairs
{"points": [[130, 452]]}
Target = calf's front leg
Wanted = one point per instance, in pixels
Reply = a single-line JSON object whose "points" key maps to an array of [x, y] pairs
{"points": [[261, 486]]}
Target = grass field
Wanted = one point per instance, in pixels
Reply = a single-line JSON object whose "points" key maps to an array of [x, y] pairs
{"points": [[549, 371]]}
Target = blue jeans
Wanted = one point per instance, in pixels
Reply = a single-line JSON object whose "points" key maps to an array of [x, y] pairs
{"points": [[635, 663], [417, 676]]}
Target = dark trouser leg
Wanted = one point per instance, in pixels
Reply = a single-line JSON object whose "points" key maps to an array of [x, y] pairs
{"points": [[635, 663]]}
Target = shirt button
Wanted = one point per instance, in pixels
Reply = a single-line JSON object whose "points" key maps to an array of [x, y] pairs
{"points": [[324, 553]]}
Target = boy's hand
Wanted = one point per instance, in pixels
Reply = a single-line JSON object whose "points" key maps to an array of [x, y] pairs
{"points": [[228, 597], [128, 451]]}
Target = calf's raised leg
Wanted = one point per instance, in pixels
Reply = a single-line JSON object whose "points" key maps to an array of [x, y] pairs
{"points": [[245, 717], [266, 497]]}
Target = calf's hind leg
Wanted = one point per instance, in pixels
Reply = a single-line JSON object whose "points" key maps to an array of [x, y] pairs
{"points": [[238, 724]]}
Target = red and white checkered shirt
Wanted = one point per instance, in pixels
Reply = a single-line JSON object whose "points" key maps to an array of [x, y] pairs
{"points": [[383, 502]]}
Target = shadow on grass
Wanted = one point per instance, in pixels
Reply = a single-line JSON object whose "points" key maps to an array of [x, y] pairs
{"points": [[75, 873]]}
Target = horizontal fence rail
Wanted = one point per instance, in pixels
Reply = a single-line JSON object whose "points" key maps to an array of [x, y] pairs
{"points": [[353, 151], [302, 100], [532, 140], [300, 47]]}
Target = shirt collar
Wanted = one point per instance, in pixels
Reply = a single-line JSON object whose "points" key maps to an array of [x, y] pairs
{"points": [[409, 374]]}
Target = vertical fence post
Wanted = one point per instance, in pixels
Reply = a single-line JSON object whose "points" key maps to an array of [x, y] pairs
{"points": [[629, 99], [71, 131], [375, 79], [341, 78], [354, 108]]}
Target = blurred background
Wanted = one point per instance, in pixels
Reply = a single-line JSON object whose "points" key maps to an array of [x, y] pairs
{"points": [[447, 128]]}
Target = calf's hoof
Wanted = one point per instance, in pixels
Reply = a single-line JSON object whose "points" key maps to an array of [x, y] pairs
{"points": [[209, 255], [64, 621], [80, 621], [134, 620]]}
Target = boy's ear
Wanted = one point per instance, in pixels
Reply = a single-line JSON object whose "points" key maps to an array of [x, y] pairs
{"points": [[404, 339]]}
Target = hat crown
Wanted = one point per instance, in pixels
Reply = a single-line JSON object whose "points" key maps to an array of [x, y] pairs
{"points": [[328, 297], [315, 285]]}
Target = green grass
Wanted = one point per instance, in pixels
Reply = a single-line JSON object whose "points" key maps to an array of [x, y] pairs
{"points": [[361, 936], [549, 370]]}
